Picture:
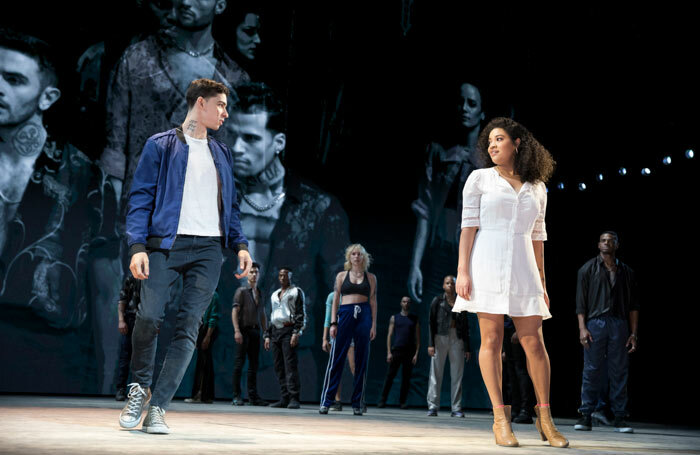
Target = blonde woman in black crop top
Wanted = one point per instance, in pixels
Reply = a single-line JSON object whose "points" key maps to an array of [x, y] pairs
{"points": [[353, 318]]}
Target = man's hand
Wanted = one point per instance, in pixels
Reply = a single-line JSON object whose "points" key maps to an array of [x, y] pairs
{"points": [[415, 359], [326, 346], [238, 336], [294, 341], [244, 263], [389, 357], [123, 328], [585, 338], [205, 343], [267, 344], [431, 351], [467, 356], [632, 341], [372, 333], [139, 266]]}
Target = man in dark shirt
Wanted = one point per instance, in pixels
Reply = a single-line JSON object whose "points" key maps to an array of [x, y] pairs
{"points": [[608, 312], [129, 299], [203, 385], [449, 336], [287, 323], [248, 317], [403, 353]]}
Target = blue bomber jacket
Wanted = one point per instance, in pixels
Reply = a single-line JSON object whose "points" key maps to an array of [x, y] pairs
{"points": [[156, 193]]}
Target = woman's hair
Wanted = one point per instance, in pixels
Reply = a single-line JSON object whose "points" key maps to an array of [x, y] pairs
{"points": [[533, 162], [366, 257]]}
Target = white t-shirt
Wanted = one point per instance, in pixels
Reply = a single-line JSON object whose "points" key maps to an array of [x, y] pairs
{"points": [[199, 214]]}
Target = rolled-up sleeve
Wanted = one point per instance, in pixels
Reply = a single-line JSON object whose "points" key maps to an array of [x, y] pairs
{"points": [[539, 231], [471, 196]]}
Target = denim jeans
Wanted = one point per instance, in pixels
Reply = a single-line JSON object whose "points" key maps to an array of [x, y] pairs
{"points": [[198, 261], [608, 347], [125, 353]]}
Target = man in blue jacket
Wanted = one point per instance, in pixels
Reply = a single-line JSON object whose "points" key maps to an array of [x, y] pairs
{"points": [[182, 212]]}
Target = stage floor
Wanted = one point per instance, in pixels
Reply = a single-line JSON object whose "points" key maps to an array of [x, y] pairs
{"points": [[78, 425]]}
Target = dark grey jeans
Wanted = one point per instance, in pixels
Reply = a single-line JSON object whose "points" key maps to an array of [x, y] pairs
{"points": [[198, 260]]}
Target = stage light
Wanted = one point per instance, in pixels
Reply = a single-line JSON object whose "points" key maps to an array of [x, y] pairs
{"points": [[689, 154], [646, 171], [581, 186], [600, 177], [667, 160], [622, 171], [560, 185]]}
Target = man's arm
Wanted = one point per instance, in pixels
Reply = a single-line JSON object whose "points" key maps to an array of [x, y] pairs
{"points": [[142, 197], [585, 337], [299, 313], [415, 356], [117, 109], [388, 339]]}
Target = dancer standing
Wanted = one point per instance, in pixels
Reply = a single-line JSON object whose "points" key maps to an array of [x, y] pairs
{"points": [[354, 317], [501, 267], [183, 210], [326, 347]]}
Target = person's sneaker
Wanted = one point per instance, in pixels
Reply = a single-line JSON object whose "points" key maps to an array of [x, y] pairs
{"points": [[237, 401], [293, 404], [432, 412], [192, 400], [121, 394], [403, 406], [523, 417], [599, 418], [279, 404], [381, 404], [583, 424], [364, 409], [357, 411], [154, 423], [323, 410], [138, 399], [257, 402], [621, 426], [457, 414], [336, 406]]}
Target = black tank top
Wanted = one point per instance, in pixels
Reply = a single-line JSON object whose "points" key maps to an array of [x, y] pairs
{"points": [[349, 287]]}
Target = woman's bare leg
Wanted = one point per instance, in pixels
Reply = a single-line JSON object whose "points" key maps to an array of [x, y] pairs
{"points": [[530, 335], [491, 327]]}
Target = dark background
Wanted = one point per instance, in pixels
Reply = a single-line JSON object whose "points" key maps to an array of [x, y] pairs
{"points": [[600, 86]]}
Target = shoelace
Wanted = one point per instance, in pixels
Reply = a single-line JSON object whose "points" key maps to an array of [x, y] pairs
{"points": [[136, 397], [156, 413], [357, 311]]}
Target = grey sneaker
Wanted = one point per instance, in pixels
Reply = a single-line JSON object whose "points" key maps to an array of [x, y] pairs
{"points": [[599, 418], [154, 422], [137, 400]]}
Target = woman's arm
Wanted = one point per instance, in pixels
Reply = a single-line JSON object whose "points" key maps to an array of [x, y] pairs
{"points": [[538, 247], [336, 303], [466, 242], [373, 304]]}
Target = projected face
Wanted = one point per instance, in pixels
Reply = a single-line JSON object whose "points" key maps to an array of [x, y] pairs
{"points": [[502, 147], [161, 12], [20, 87], [248, 36], [470, 106], [255, 145], [197, 14]]}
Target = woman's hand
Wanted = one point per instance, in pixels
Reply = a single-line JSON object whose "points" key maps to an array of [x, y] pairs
{"points": [[546, 298], [464, 285], [333, 331], [372, 332], [325, 346]]}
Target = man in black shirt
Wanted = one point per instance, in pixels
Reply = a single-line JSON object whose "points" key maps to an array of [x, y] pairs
{"points": [[248, 317], [403, 353], [129, 299], [608, 312]]}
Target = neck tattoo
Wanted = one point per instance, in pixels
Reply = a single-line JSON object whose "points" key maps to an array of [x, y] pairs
{"points": [[191, 127], [29, 140]]}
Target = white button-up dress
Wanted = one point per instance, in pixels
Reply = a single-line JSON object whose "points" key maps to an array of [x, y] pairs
{"points": [[505, 279]]}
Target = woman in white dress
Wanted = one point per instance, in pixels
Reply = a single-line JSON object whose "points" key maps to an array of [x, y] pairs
{"points": [[501, 263]]}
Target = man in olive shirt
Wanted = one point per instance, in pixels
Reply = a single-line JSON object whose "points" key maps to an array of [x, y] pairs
{"points": [[248, 317]]}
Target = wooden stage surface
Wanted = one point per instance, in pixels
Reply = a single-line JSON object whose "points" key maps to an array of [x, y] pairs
{"points": [[80, 425]]}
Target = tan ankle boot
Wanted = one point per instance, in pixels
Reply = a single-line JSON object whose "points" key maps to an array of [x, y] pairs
{"points": [[549, 432], [502, 429]]}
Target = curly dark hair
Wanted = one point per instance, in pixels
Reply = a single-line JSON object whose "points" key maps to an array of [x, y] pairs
{"points": [[533, 162]]}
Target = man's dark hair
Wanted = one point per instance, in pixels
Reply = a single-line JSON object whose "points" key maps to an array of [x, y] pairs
{"points": [[287, 268], [255, 265], [256, 97], [35, 48], [614, 234], [407, 297], [206, 88]]}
